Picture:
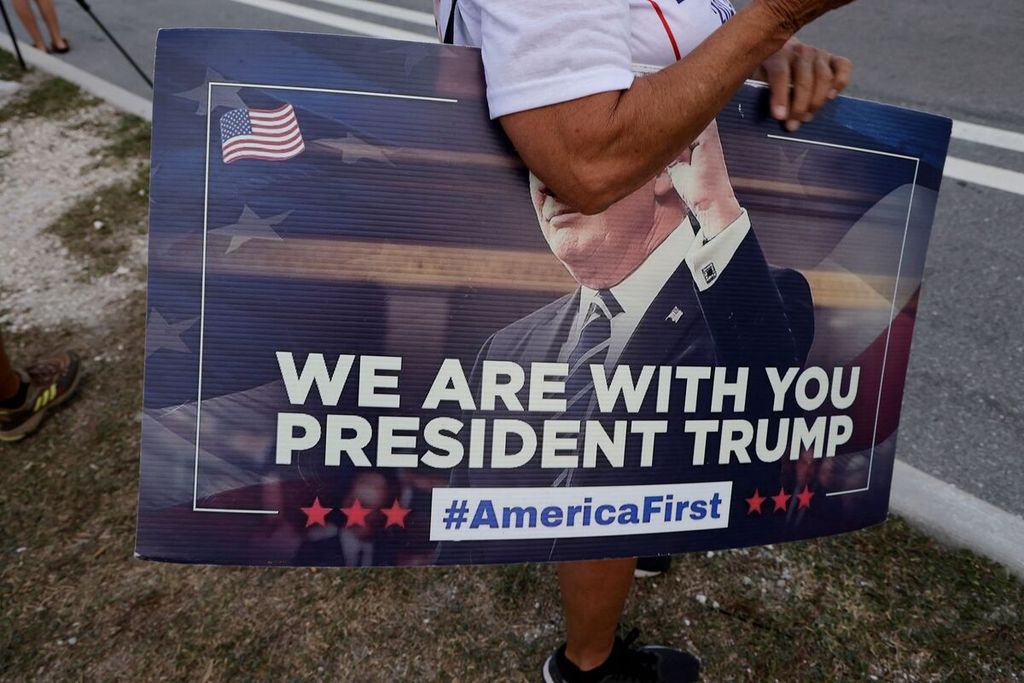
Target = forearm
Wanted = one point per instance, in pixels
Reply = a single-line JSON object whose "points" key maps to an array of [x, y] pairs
{"points": [[605, 146]]}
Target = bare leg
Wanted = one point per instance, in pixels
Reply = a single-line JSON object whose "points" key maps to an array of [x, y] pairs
{"points": [[29, 21], [9, 379], [593, 595], [49, 13]]}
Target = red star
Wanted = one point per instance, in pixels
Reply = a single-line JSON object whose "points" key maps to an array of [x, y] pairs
{"points": [[781, 499], [316, 514], [395, 514], [804, 499], [355, 514], [755, 502]]}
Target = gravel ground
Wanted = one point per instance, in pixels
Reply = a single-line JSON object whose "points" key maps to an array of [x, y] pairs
{"points": [[52, 166]]}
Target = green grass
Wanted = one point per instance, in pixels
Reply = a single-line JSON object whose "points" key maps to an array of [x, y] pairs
{"points": [[53, 98], [120, 210], [10, 70], [129, 138]]}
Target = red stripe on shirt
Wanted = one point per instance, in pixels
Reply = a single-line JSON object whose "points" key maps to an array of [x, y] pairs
{"points": [[668, 29]]}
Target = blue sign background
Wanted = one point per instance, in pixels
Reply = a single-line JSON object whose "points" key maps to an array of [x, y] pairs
{"points": [[405, 228]]}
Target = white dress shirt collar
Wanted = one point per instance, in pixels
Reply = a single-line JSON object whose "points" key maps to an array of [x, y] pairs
{"points": [[636, 293], [706, 260]]}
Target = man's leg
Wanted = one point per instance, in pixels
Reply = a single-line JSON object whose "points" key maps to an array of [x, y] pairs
{"points": [[10, 382], [593, 596], [29, 21], [49, 13]]}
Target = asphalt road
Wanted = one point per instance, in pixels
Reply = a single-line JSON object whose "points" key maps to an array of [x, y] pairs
{"points": [[963, 417]]}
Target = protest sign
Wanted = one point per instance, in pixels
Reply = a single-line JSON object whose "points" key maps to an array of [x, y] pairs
{"points": [[374, 339]]}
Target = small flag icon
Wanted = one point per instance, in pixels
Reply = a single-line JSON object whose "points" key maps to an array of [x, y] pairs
{"points": [[268, 134]]}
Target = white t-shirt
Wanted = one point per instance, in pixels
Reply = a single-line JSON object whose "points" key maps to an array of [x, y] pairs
{"points": [[541, 52]]}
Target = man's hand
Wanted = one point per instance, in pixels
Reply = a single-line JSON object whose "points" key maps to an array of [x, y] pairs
{"points": [[702, 180], [815, 75]]}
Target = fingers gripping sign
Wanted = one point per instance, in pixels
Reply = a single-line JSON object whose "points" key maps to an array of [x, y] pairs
{"points": [[802, 79], [702, 180]]}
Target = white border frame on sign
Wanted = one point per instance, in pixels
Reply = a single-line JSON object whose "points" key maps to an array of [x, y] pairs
{"points": [[895, 291], [202, 305]]}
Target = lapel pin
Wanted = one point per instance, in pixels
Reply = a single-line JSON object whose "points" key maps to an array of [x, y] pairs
{"points": [[675, 315]]}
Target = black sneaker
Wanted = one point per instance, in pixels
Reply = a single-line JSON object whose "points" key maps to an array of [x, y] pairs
{"points": [[629, 663], [48, 384], [647, 567]]}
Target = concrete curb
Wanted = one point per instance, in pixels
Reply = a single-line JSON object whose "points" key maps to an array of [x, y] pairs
{"points": [[116, 95], [943, 511], [957, 518]]}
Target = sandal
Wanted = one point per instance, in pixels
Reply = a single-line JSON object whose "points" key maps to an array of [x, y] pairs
{"points": [[62, 50]]}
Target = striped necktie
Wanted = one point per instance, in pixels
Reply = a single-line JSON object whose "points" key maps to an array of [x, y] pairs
{"points": [[591, 349]]}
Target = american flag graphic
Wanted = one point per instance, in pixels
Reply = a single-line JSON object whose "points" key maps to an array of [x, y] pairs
{"points": [[269, 134]]}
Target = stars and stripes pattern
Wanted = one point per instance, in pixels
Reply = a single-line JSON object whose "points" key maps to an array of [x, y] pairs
{"points": [[267, 134]]}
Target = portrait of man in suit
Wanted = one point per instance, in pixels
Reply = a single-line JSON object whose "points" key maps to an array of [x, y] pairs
{"points": [[672, 275]]}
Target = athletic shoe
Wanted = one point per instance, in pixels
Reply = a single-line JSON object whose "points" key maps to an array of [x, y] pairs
{"points": [[629, 663], [646, 567], [50, 383]]}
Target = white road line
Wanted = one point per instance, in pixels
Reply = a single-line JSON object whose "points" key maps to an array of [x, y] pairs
{"points": [[962, 130], [970, 132], [958, 518], [956, 168], [367, 28], [983, 174], [986, 135], [380, 9]]}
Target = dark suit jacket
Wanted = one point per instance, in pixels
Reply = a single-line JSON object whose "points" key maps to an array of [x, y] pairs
{"points": [[753, 316]]}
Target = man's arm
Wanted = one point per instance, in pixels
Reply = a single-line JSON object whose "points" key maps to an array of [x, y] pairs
{"points": [[595, 150], [757, 315]]}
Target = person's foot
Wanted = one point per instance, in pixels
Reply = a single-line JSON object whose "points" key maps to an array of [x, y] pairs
{"points": [[44, 386], [627, 663], [646, 567], [41, 47], [61, 46]]}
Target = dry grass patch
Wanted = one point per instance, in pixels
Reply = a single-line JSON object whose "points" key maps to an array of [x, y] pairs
{"points": [[10, 70], [102, 229]]}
